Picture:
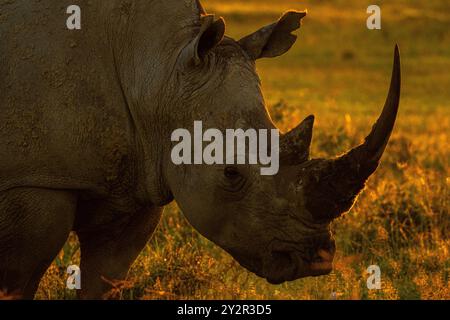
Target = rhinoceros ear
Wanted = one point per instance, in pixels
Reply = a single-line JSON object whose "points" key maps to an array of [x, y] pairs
{"points": [[210, 35], [275, 39]]}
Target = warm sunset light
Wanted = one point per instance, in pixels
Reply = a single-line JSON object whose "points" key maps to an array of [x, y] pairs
{"points": [[252, 123]]}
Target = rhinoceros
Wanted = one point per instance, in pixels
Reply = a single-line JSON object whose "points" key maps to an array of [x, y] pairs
{"points": [[85, 123]]}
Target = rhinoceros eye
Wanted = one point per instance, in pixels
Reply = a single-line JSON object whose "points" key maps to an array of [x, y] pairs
{"points": [[231, 173], [234, 181]]}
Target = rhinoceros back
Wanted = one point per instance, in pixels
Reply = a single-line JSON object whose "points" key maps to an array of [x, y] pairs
{"points": [[62, 118]]}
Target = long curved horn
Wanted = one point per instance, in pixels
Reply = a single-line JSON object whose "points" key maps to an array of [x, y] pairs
{"points": [[333, 185], [369, 153]]}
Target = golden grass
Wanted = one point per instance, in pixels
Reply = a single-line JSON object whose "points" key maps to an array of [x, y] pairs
{"points": [[338, 71]]}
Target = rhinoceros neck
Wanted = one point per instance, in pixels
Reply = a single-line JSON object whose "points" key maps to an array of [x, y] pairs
{"points": [[148, 37]]}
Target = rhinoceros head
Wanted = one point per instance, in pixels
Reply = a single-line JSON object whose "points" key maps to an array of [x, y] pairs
{"points": [[276, 226]]}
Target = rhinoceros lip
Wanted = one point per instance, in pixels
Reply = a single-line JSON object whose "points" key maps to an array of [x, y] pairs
{"points": [[285, 263], [282, 266], [293, 266]]}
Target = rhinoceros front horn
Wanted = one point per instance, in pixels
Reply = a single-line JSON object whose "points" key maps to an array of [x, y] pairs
{"points": [[333, 185], [368, 154]]}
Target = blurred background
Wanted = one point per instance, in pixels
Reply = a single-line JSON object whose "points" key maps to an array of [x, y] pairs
{"points": [[339, 71]]}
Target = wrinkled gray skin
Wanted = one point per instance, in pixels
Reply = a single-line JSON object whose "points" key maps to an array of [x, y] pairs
{"points": [[85, 123]]}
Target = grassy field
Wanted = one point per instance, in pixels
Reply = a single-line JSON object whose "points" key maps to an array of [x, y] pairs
{"points": [[339, 71]]}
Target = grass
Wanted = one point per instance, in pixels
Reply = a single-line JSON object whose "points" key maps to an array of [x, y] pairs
{"points": [[339, 71]]}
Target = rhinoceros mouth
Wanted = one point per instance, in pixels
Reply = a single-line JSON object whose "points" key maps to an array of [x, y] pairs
{"points": [[285, 262], [288, 263], [293, 265]]}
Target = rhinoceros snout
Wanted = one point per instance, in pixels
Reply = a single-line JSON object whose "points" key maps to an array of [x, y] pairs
{"points": [[288, 263]]}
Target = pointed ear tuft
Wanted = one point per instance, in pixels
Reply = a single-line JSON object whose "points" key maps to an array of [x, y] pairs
{"points": [[275, 39]]}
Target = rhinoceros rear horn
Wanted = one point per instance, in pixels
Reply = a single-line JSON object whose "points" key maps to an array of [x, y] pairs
{"points": [[201, 9], [368, 155], [295, 145], [210, 35]]}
